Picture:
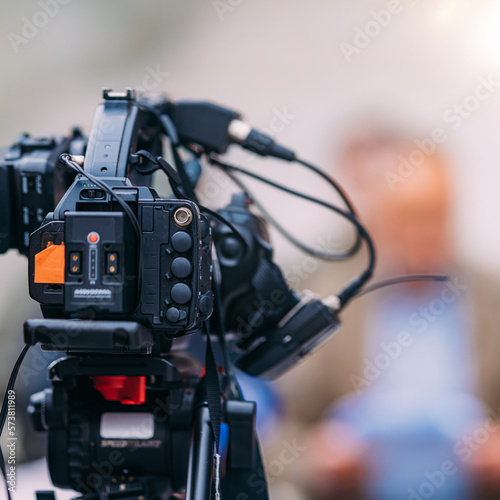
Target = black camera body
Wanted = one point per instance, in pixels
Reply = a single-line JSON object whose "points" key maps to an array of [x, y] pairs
{"points": [[32, 179], [85, 260], [93, 260]]}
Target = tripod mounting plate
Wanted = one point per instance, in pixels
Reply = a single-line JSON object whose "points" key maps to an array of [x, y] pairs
{"points": [[92, 337]]}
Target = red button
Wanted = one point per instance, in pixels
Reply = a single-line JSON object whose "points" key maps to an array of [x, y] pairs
{"points": [[93, 237]]}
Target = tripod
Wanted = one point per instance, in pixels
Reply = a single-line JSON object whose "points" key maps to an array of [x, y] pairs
{"points": [[135, 426]]}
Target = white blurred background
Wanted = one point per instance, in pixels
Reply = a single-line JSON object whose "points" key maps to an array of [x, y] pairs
{"points": [[264, 58]]}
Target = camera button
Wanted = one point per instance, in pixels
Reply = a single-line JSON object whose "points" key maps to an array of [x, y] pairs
{"points": [[181, 293], [182, 241], [181, 267], [173, 314]]}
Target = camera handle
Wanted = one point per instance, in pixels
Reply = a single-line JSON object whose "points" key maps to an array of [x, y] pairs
{"points": [[120, 127]]}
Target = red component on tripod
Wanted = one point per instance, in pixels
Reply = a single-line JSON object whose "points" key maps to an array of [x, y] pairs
{"points": [[127, 390], [220, 371]]}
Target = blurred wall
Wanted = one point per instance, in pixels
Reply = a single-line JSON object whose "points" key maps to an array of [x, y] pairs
{"points": [[303, 69]]}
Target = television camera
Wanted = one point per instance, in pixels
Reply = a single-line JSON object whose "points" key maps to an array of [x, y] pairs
{"points": [[125, 278]]}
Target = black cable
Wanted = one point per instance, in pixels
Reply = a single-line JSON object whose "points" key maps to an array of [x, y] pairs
{"points": [[173, 177], [165, 121], [176, 185], [186, 183], [348, 292], [328, 256], [224, 221], [171, 132], [181, 187], [345, 198], [318, 253], [130, 213], [157, 162], [5, 406], [179, 181], [401, 279], [234, 386]]}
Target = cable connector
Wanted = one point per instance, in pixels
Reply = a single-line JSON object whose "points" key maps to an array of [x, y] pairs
{"points": [[203, 123], [257, 142], [214, 128], [333, 302]]}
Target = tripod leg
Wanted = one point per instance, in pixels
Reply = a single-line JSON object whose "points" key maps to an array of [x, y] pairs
{"points": [[199, 480]]}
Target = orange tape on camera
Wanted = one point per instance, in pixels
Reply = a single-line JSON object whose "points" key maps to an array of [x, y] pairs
{"points": [[49, 265]]}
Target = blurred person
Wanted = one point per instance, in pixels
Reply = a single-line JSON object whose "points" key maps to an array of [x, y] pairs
{"points": [[407, 422]]}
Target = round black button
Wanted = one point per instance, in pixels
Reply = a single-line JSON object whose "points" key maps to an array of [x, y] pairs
{"points": [[182, 241], [206, 303], [173, 314], [181, 267], [181, 293]]}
